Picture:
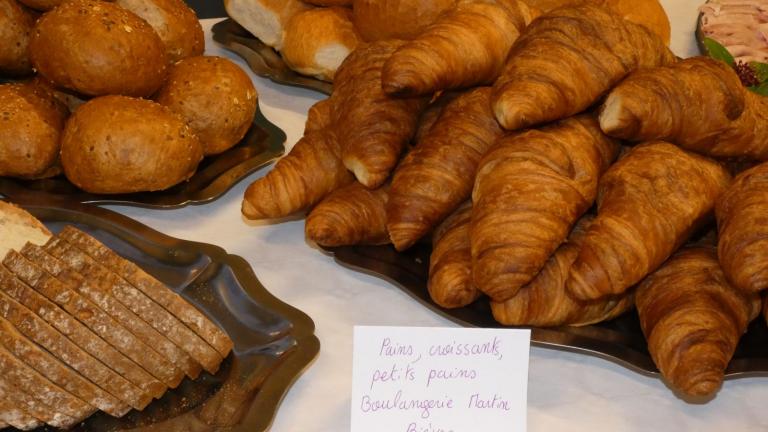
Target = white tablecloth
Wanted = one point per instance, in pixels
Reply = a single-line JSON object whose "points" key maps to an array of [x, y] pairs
{"points": [[567, 392]]}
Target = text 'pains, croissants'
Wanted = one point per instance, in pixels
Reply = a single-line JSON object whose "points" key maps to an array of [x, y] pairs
{"points": [[698, 104], [741, 220], [467, 45], [373, 128], [544, 302], [437, 175], [649, 203], [450, 264], [566, 60], [693, 319], [312, 170], [350, 215], [529, 191]]}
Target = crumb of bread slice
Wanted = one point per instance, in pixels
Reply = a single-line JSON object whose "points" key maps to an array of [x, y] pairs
{"points": [[153, 288], [17, 227]]}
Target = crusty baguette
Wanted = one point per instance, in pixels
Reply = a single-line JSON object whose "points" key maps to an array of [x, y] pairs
{"points": [[265, 19], [95, 319], [50, 396], [58, 372], [149, 311], [36, 329], [17, 227], [152, 287], [139, 386], [100, 292]]}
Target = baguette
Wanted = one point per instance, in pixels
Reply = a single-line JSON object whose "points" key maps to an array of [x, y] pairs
{"points": [[95, 319], [152, 287], [265, 19]]}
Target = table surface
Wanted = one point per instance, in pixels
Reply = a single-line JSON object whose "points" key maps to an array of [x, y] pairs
{"points": [[567, 392]]}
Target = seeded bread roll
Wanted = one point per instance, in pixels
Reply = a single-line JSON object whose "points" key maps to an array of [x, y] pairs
{"points": [[395, 19], [175, 23], [215, 97], [98, 48], [318, 40], [41, 5], [16, 23], [117, 144], [265, 19], [31, 121], [330, 2]]}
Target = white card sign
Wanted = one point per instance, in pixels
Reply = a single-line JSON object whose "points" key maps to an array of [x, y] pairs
{"points": [[407, 379]]}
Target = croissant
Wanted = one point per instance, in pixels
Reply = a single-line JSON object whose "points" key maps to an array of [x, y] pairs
{"points": [[529, 191], [566, 60], [312, 170], [743, 244], [450, 264], [465, 46], [431, 114], [373, 128], [437, 176], [693, 319], [544, 302], [649, 203], [699, 104], [349, 215], [318, 117]]}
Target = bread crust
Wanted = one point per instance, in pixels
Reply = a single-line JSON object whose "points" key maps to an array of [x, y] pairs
{"points": [[395, 19], [318, 40], [265, 19], [98, 48], [117, 144], [175, 23], [16, 23], [215, 97], [31, 122]]}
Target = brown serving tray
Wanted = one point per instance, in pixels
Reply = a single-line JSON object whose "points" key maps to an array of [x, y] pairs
{"points": [[263, 60], [215, 175], [620, 340], [274, 342]]}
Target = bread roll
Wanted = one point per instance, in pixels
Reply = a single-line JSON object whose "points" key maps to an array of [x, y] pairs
{"points": [[215, 97], [265, 19], [648, 13], [118, 144], [318, 40], [98, 48], [175, 23], [395, 19], [330, 2], [31, 121], [16, 23], [42, 5]]}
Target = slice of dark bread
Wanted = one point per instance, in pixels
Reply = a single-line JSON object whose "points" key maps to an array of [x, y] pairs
{"points": [[33, 262], [153, 288], [11, 415]]}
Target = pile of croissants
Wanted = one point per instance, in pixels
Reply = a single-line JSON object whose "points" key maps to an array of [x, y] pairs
{"points": [[566, 165]]}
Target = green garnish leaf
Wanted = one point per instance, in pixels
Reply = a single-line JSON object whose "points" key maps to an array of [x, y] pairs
{"points": [[762, 89], [717, 51], [761, 70]]}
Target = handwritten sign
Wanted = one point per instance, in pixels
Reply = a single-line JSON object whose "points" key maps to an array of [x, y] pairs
{"points": [[408, 379]]}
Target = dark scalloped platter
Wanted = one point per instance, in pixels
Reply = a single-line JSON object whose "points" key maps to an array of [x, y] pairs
{"points": [[263, 143], [274, 342], [262, 59], [620, 340]]}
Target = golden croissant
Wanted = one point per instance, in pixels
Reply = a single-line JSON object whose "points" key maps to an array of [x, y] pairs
{"points": [[743, 243], [650, 202], [693, 319], [529, 191], [437, 176], [312, 170], [450, 264], [466, 46], [698, 104], [350, 215], [544, 301], [373, 128], [566, 60]]}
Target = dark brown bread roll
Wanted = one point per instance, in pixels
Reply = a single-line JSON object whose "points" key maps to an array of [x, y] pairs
{"points": [[117, 144], [98, 48], [16, 23]]}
